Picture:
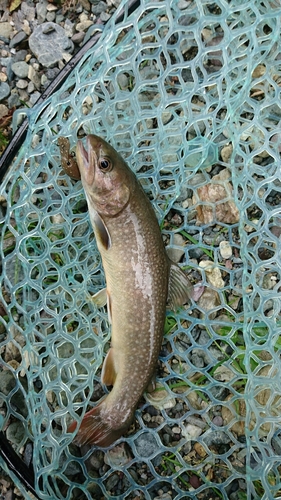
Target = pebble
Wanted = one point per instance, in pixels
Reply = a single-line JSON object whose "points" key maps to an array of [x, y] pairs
{"points": [[78, 37], [28, 11], [146, 445], [176, 254], [21, 84], [191, 431], [4, 90], [20, 69], [15, 432], [213, 273], [40, 40], [6, 29], [84, 25], [225, 249], [3, 110], [218, 421], [17, 39]]}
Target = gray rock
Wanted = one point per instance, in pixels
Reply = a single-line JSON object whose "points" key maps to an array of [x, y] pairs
{"points": [[51, 16], [34, 97], [30, 87], [21, 84], [99, 8], [123, 81], [28, 453], [34, 76], [216, 438], [78, 37], [48, 42], [28, 11], [17, 39], [146, 445], [276, 443], [15, 432], [7, 63], [6, 30], [218, 421], [13, 100], [9, 495], [204, 338], [51, 73], [59, 18], [4, 90], [183, 4], [20, 69], [69, 28], [219, 392], [176, 254], [112, 481], [20, 55], [197, 360], [41, 11], [104, 17]]}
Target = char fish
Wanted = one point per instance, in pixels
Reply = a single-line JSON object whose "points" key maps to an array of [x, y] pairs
{"points": [[140, 279]]}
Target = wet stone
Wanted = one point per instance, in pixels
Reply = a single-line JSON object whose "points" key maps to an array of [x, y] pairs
{"points": [[41, 10], [17, 39], [13, 100], [15, 432], [21, 84], [146, 445], [78, 37], [28, 453], [216, 438], [4, 90], [218, 421], [20, 69], [20, 56], [28, 11], [46, 35], [6, 29]]}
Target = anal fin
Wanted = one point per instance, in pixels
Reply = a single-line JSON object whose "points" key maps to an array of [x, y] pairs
{"points": [[100, 298]]}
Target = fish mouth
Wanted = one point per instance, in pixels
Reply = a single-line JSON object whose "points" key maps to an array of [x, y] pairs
{"points": [[87, 159], [82, 153]]}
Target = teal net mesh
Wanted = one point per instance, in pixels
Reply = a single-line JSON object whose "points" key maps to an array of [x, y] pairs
{"points": [[189, 93]]}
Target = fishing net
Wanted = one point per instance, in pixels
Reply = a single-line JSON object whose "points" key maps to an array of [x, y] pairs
{"points": [[189, 93]]}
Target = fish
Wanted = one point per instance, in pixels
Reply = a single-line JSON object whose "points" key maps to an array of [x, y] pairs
{"points": [[140, 280]]}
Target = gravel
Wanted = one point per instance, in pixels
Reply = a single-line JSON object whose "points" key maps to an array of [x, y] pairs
{"points": [[37, 39]]}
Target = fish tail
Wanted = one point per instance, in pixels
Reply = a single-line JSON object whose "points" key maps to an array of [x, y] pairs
{"points": [[95, 430]]}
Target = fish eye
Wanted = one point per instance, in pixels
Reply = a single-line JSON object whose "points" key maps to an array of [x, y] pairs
{"points": [[105, 164]]}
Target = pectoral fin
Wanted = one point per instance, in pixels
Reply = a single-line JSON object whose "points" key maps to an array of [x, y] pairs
{"points": [[100, 298], [180, 288], [101, 230], [109, 372]]}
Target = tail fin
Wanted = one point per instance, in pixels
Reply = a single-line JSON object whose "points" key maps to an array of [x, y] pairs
{"points": [[94, 429]]}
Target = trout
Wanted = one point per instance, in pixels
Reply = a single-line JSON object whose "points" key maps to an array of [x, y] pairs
{"points": [[140, 279]]}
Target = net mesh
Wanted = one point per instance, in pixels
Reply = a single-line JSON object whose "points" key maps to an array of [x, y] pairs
{"points": [[189, 93]]}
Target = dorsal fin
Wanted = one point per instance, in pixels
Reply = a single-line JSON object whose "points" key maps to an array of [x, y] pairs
{"points": [[180, 288]]}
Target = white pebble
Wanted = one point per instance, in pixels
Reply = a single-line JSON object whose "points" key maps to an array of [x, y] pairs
{"points": [[225, 249]]}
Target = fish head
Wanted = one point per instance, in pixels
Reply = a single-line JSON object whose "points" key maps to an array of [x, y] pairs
{"points": [[107, 180]]}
